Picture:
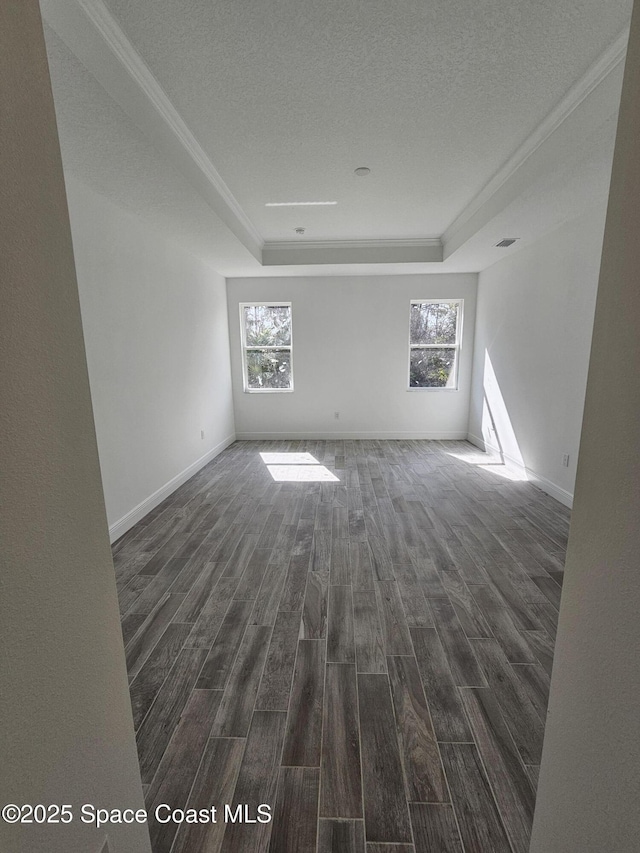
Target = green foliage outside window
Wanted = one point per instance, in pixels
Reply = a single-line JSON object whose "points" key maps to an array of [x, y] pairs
{"points": [[267, 341], [433, 339]]}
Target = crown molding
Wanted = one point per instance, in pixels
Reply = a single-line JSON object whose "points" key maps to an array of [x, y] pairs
{"points": [[93, 35], [69, 18], [294, 252], [597, 73]]}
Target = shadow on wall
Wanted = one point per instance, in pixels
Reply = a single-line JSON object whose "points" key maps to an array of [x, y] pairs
{"points": [[497, 430]]}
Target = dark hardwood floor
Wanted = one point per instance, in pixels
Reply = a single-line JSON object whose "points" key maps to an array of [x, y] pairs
{"points": [[370, 655]]}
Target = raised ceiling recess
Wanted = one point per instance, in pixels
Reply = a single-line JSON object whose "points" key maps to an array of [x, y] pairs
{"points": [[262, 110]]}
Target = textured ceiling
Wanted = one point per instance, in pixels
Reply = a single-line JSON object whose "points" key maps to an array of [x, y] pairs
{"points": [[287, 97]]}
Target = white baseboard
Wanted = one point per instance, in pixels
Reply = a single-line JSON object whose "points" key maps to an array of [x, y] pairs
{"points": [[510, 462], [560, 494], [476, 441], [353, 436], [134, 515]]}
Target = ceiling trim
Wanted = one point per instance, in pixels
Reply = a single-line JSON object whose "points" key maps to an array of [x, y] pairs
{"points": [[292, 252], [597, 73], [66, 19]]}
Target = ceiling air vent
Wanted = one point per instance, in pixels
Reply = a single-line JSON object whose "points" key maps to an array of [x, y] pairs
{"points": [[508, 241]]}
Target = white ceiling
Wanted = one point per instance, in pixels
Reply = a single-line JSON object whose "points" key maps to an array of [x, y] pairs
{"points": [[196, 113]]}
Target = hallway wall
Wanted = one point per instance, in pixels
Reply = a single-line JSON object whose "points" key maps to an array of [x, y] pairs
{"points": [[155, 326], [590, 780], [66, 729]]}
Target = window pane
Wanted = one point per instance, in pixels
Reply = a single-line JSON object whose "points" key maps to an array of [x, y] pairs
{"points": [[270, 369], [434, 323], [432, 368], [267, 325]]}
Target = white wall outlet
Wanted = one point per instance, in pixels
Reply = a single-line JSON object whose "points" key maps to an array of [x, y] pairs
{"points": [[336, 415], [201, 433], [565, 460]]}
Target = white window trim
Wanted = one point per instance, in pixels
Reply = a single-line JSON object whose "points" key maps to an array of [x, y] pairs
{"points": [[457, 346], [244, 348]]}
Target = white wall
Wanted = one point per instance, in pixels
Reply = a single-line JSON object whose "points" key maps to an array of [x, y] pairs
{"points": [[155, 325], [589, 789], [66, 730], [533, 333], [350, 354]]}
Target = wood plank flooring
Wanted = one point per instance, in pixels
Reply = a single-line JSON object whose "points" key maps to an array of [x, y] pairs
{"points": [[368, 656]]}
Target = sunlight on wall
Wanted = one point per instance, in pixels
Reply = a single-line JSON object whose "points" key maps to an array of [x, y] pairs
{"points": [[497, 431]]}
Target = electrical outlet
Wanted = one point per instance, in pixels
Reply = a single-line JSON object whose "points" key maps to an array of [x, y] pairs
{"points": [[201, 433], [336, 415], [565, 460]]}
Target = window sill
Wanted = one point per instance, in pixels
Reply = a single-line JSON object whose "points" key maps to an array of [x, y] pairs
{"points": [[268, 390], [432, 389]]}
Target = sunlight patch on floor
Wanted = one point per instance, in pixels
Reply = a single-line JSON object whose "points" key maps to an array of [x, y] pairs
{"points": [[289, 459], [492, 464], [297, 468], [302, 474]]}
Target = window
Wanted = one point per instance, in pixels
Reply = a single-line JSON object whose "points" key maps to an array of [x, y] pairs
{"points": [[434, 343], [266, 346]]}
